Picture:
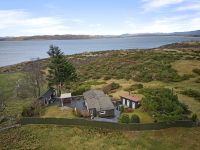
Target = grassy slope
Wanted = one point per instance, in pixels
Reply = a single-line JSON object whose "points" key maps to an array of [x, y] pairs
{"points": [[59, 138], [54, 137], [14, 105]]}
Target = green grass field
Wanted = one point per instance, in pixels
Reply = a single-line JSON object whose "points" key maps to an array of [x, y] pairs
{"points": [[144, 116], [57, 112], [13, 103], [61, 138]]}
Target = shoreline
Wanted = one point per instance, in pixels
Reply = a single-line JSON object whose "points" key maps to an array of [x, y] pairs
{"points": [[100, 51]]}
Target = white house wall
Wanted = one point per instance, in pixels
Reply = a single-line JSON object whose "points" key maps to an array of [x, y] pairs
{"points": [[124, 101], [128, 103], [133, 105]]}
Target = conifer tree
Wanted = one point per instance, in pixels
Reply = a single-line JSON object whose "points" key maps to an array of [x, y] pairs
{"points": [[60, 70]]}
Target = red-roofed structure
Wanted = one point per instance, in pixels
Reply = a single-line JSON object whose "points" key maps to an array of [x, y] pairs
{"points": [[130, 101]]}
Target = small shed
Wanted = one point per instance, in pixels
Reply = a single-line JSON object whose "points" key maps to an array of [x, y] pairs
{"points": [[130, 101], [47, 97], [65, 98]]}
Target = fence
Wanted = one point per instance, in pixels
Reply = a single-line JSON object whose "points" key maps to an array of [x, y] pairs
{"points": [[107, 125]]}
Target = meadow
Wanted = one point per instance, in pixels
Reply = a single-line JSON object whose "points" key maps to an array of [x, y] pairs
{"points": [[60, 138]]}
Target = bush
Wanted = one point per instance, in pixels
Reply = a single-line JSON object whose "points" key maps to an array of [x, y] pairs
{"points": [[27, 112], [134, 87], [34, 110], [81, 89], [128, 110], [163, 104], [3, 119], [194, 117], [80, 113], [192, 93], [121, 109], [197, 71], [107, 78], [197, 80], [38, 110], [135, 119], [124, 118], [115, 86]]}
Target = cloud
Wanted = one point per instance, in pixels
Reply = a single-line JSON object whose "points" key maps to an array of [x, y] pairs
{"points": [[189, 6], [155, 4], [20, 22], [165, 24]]}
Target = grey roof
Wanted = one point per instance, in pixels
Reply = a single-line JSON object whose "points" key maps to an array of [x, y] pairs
{"points": [[97, 99], [47, 93]]}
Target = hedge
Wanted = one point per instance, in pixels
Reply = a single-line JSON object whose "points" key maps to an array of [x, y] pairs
{"points": [[107, 125]]}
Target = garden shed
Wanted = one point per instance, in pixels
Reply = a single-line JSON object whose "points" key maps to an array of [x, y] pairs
{"points": [[47, 97], [130, 101], [65, 98]]}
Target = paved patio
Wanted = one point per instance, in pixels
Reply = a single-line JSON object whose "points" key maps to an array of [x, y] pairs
{"points": [[115, 119]]}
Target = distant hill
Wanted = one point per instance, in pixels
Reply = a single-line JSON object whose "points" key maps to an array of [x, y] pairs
{"points": [[189, 33], [77, 37], [195, 33], [50, 37]]}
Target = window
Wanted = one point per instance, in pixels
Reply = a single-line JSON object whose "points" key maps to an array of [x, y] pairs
{"points": [[102, 112]]}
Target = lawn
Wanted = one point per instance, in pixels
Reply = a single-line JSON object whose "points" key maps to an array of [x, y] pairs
{"points": [[14, 104], [57, 112], [8, 83], [81, 138], [144, 116]]}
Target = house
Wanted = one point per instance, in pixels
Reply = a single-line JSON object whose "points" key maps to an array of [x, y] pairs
{"points": [[98, 104], [130, 101], [47, 97], [65, 98]]}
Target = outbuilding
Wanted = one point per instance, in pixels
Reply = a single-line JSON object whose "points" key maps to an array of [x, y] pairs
{"points": [[130, 101], [47, 97], [98, 103], [65, 98]]}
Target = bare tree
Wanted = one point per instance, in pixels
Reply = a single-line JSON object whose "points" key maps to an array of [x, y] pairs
{"points": [[35, 77]]}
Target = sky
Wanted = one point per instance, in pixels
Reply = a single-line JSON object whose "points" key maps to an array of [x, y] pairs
{"points": [[97, 17]]}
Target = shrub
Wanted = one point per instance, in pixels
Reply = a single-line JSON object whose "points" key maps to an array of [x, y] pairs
{"points": [[80, 113], [3, 119], [121, 109], [192, 93], [197, 71], [125, 118], [135, 119], [38, 110], [35, 109], [197, 80], [115, 86], [134, 87], [28, 112], [128, 110], [81, 89], [163, 104], [107, 77], [194, 117]]}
